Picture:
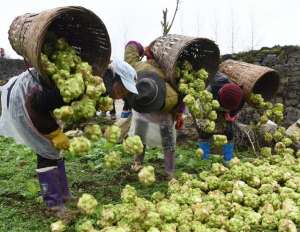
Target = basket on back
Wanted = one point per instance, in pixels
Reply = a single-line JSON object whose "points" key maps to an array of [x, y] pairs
{"points": [[254, 78], [82, 29], [170, 50]]}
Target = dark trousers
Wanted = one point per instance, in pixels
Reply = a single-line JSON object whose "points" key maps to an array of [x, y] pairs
{"points": [[44, 162]]}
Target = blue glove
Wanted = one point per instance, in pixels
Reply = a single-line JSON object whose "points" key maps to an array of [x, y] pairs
{"points": [[125, 114], [205, 146]]}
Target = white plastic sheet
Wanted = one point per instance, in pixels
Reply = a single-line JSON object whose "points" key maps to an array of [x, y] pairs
{"points": [[15, 121], [152, 129]]}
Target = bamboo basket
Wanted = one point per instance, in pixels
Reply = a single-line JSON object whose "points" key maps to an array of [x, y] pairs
{"points": [[253, 78], [82, 29], [200, 52]]}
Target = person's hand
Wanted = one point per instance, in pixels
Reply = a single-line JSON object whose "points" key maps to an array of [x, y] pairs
{"points": [[229, 118], [125, 114], [179, 121], [148, 53], [59, 140]]}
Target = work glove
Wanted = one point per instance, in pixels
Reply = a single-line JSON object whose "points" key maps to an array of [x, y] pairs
{"points": [[125, 114], [59, 140], [179, 121], [229, 118], [148, 53]]}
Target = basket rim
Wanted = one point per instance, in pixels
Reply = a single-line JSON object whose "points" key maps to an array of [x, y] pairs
{"points": [[55, 12], [190, 40]]}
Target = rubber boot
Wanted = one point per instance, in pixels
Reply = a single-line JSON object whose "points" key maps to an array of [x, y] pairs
{"points": [[205, 146], [227, 152], [170, 164], [52, 192], [66, 194]]}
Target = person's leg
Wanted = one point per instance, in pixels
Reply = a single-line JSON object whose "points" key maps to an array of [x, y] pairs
{"points": [[63, 180], [228, 148], [168, 144], [204, 144], [48, 175]]}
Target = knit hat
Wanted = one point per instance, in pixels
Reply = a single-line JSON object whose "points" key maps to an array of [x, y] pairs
{"points": [[230, 96]]}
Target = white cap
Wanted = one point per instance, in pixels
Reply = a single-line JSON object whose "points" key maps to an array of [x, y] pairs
{"points": [[127, 74]]}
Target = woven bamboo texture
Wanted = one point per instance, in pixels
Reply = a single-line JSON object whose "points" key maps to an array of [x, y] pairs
{"points": [[169, 50], [84, 30], [253, 78]]}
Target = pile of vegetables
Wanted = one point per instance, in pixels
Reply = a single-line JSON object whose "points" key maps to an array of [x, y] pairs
{"points": [[258, 195], [271, 112], [199, 101]]}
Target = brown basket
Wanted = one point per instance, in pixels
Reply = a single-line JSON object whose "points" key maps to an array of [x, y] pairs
{"points": [[200, 52], [253, 78], [79, 26]]}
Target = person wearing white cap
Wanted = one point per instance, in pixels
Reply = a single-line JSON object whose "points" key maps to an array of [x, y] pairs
{"points": [[119, 79]]}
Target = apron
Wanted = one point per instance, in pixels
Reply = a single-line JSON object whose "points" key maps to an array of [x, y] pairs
{"points": [[15, 121]]}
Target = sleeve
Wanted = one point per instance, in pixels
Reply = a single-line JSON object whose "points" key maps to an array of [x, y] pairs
{"points": [[39, 106], [217, 83], [133, 53], [46, 100]]}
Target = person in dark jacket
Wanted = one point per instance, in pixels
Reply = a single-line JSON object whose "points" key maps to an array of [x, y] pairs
{"points": [[27, 105], [231, 99]]}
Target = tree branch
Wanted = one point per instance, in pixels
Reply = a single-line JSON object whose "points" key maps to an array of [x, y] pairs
{"points": [[165, 24]]}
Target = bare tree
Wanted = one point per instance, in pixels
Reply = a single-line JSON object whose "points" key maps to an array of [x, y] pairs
{"points": [[216, 26], [254, 38], [166, 25], [233, 35], [252, 31]]}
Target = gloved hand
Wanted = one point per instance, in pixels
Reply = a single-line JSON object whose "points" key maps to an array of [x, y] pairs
{"points": [[59, 140], [125, 114], [229, 118], [179, 121], [148, 53]]}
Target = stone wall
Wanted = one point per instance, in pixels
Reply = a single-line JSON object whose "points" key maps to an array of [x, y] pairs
{"points": [[10, 68], [286, 60]]}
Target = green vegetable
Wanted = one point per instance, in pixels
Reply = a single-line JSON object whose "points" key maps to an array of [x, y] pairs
{"points": [[133, 145], [147, 175], [87, 203], [79, 145], [112, 134]]}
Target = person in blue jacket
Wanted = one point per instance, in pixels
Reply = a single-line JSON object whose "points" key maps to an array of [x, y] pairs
{"points": [[231, 99]]}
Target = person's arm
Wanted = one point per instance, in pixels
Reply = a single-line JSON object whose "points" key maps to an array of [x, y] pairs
{"points": [[134, 51], [217, 83], [40, 105]]}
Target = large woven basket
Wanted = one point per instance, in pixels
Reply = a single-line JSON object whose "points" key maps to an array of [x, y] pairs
{"points": [[200, 52], [253, 78], [84, 30]]}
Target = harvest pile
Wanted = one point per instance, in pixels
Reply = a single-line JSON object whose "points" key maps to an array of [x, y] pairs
{"points": [[260, 195], [199, 101]]}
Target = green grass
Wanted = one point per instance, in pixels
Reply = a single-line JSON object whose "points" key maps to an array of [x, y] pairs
{"points": [[21, 207]]}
